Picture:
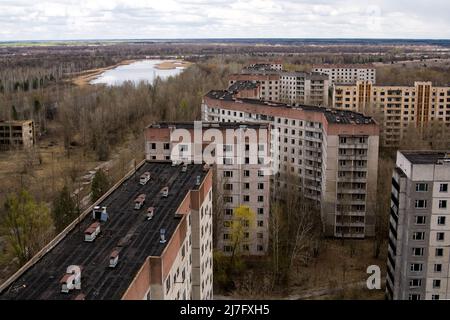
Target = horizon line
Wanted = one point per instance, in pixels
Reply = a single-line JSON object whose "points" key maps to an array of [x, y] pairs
{"points": [[222, 38]]}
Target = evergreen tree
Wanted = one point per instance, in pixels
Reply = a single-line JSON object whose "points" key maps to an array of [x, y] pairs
{"points": [[100, 184], [64, 209]]}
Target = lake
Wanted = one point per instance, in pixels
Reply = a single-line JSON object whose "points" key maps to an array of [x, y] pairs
{"points": [[136, 72]]}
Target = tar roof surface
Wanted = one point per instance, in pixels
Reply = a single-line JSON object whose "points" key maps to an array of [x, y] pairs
{"points": [[332, 115], [209, 124], [243, 85], [126, 225], [423, 157]]}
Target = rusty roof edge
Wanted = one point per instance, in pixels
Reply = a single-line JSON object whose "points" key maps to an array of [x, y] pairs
{"points": [[54, 242]]}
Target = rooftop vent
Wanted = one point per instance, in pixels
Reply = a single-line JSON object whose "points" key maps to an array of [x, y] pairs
{"points": [[72, 279], [165, 192], [99, 213], [81, 296], [114, 258], [162, 234], [150, 213], [92, 232]]}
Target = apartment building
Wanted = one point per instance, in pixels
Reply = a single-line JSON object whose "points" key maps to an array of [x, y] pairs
{"points": [[419, 233], [332, 154], [288, 87], [400, 106], [304, 88], [16, 134], [269, 84], [129, 254], [351, 73], [240, 178]]}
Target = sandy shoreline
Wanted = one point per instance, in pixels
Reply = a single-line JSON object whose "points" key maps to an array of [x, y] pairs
{"points": [[172, 64]]}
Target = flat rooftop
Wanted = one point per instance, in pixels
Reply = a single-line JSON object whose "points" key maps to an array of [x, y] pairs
{"points": [[332, 115], [306, 75], [243, 85], [425, 157], [138, 239], [209, 124], [14, 122], [344, 66]]}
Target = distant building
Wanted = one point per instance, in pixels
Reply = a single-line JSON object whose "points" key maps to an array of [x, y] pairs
{"points": [[275, 65], [351, 73], [16, 134], [304, 88], [240, 180], [332, 155], [288, 87], [132, 255], [400, 106], [419, 233]]}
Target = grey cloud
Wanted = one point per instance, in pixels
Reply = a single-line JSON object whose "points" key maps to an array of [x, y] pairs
{"points": [[65, 19]]}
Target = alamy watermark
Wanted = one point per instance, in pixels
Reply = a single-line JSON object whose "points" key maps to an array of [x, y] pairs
{"points": [[234, 146]]}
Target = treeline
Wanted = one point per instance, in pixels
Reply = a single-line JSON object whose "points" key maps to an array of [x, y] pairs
{"points": [[99, 117], [403, 75]]}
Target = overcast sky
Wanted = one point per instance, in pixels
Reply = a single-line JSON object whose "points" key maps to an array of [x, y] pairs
{"points": [[106, 19]]}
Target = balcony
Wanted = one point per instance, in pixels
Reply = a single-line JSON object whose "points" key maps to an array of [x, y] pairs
{"points": [[352, 157]]}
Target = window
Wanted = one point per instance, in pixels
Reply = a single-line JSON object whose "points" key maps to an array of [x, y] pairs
{"points": [[260, 223], [418, 235], [246, 173], [440, 236], [228, 161], [421, 187], [227, 224], [416, 267], [260, 210], [443, 187], [436, 283], [415, 283], [228, 212], [417, 252], [166, 146], [439, 252], [421, 204], [245, 247], [228, 174], [153, 147], [441, 221], [434, 297], [438, 267], [260, 199], [228, 199], [228, 186], [414, 296], [260, 235], [420, 219], [442, 204], [260, 248], [246, 185], [226, 236], [227, 248], [260, 186], [246, 198], [167, 284]]}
